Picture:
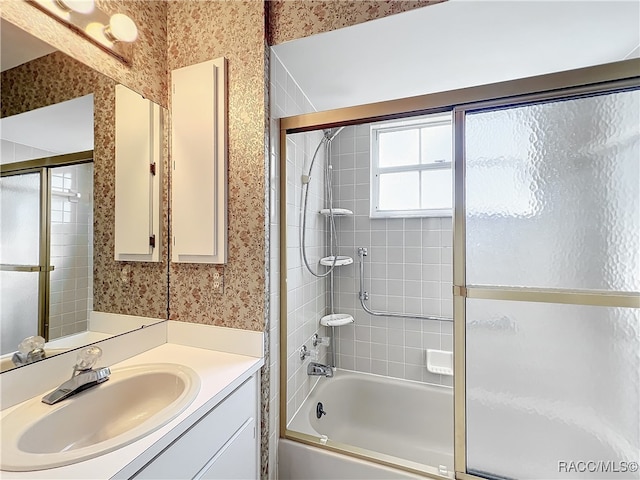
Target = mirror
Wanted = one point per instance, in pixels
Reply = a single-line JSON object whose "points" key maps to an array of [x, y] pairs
{"points": [[56, 108]]}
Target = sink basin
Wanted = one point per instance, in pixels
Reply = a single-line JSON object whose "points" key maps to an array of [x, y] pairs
{"points": [[134, 402]]}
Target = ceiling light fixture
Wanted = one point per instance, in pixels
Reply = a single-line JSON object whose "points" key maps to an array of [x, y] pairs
{"points": [[112, 32]]}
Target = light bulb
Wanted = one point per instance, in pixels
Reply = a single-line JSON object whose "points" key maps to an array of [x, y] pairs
{"points": [[121, 29], [79, 6], [96, 31]]}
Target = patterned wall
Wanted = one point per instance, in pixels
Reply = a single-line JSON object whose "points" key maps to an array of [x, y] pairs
{"points": [[290, 20], [45, 81], [201, 31], [56, 78]]}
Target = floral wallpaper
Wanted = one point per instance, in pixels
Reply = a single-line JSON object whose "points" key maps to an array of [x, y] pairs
{"points": [[290, 20], [197, 32], [119, 287]]}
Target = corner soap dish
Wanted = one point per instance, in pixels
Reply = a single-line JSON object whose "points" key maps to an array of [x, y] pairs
{"points": [[340, 261], [337, 212], [336, 320]]}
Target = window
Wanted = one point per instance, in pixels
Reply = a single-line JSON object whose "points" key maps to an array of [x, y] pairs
{"points": [[411, 167]]}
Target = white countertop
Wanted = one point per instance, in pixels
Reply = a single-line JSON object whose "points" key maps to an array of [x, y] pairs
{"points": [[220, 374]]}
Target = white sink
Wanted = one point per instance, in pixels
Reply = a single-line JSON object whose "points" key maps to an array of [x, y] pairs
{"points": [[134, 402]]}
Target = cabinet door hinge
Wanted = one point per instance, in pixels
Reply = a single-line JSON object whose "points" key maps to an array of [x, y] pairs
{"points": [[152, 241], [152, 168]]}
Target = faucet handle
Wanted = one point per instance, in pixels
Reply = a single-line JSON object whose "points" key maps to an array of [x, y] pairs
{"points": [[318, 340], [30, 344], [305, 352], [30, 350], [87, 358]]}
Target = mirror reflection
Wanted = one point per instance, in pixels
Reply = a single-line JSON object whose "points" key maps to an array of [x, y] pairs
{"points": [[57, 248]]}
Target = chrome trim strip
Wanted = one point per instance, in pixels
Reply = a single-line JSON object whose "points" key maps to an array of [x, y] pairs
{"points": [[432, 102], [459, 278], [56, 161], [45, 248], [26, 268], [542, 295], [467, 476], [282, 222]]}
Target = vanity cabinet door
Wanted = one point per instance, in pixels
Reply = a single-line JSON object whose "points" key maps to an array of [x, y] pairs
{"points": [[224, 440], [232, 461]]}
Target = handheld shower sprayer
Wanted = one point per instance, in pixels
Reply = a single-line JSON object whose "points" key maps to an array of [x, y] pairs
{"points": [[328, 136]]}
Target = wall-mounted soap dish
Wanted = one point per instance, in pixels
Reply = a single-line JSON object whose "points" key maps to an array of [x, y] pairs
{"points": [[341, 261], [337, 212], [440, 361], [336, 320]]}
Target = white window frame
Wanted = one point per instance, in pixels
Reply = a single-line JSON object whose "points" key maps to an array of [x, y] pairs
{"points": [[376, 170]]}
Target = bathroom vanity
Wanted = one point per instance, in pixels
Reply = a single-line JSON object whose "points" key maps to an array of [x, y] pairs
{"points": [[217, 435]]}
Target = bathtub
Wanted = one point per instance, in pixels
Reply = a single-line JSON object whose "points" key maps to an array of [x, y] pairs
{"points": [[407, 422]]}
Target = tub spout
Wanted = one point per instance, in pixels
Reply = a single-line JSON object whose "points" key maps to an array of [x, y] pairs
{"points": [[320, 370]]}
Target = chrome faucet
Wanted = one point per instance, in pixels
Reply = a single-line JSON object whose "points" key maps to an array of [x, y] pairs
{"points": [[319, 370], [84, 376], [30, 350]]}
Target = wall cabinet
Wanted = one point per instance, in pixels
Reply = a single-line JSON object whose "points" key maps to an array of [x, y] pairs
{"points": [[138, 179], [199, 163], [223, 444]]}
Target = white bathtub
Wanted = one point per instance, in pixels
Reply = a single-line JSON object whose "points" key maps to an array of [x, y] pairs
{"points": [[407, 420]]}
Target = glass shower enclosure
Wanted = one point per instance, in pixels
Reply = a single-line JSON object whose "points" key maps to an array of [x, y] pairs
{"points": [[546, 276]]}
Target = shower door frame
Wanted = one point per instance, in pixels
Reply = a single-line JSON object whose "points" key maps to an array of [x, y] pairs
{"points": [[43, 167], [579, 82], [462, 290]]}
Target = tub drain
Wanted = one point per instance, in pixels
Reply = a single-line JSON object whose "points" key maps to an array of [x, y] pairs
{"points": [[319, 410]]}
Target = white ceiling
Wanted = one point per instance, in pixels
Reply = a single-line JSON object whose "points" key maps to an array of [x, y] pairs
{"points": [[457, 44], [18, 47], [65, 127]]}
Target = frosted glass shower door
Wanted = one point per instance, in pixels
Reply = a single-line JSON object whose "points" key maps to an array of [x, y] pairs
{"points": [[552, 222], [19, 257]]}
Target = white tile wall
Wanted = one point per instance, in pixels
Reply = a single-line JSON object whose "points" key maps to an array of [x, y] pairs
{"points": [[71, 289], [286, 99], [408, 270], [306, 294]]}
